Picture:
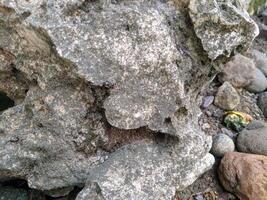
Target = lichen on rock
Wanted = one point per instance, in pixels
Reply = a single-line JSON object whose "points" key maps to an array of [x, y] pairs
{"points": [[222, 26]]}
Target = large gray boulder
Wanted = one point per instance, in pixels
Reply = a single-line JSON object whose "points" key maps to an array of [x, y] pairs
{"points": [[80, 67]]}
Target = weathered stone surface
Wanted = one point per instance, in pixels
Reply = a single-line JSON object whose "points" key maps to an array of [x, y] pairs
{"points": [[222, 26], [89, 65], [128, 173], [239, 71], [227, 97], [253, 140], [245, 175], [49, 136]]}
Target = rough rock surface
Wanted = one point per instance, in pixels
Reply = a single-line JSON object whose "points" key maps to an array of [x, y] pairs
{"points": [[76, 67], [253, 140], [245, 175], [227, 97], [222, 26], [128, 173]]}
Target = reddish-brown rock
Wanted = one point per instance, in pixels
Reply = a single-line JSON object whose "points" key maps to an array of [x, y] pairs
{"points": [[245, 175]]}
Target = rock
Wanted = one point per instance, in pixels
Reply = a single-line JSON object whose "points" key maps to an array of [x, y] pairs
{"points": [[227, 97], [262, 103], [222, 144], [228, 132], [59, 192], [9, 193], [244, 175], [239, 71], [264, 15], [213, 26], [260, 60], [127, 174], [258, 84], [77, 69], [207, 101], [253, 139]]}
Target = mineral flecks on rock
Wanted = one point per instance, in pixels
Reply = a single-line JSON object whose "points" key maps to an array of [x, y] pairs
{"points": [[222, 26], [80, 66]]}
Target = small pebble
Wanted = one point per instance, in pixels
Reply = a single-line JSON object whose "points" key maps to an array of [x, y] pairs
{"points": [[227, 97], [206, 126], [207, 101], [222, 144]]}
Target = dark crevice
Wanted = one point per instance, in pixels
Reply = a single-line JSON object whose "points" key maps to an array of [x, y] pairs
{"points": [[5, 101]]}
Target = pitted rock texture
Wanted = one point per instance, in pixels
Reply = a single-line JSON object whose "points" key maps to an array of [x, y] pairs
{"points": [[80, 67], [128, 173], [222, 26]]}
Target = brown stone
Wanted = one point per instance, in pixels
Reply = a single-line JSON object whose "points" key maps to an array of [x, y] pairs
{"points": [[245, 175]]}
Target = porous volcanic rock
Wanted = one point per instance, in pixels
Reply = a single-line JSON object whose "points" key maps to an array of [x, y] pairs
{"points": [[75, 68]]}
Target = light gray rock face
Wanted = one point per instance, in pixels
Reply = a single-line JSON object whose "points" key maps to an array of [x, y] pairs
{"points": [[222, 26], [128, 173], [80, 66]]}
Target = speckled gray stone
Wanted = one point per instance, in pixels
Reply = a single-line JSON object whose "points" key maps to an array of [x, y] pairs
{"points": [[127, 174], [222, 26], [83, 66], [222, 144]]}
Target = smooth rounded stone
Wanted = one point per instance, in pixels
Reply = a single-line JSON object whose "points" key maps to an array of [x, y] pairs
{"points": [[253, 139], [258, 84], [262, 103], [207, 101], [239, 71], [245, 175], [222, 144], [227, 97], [260, 60], [10, 193]]}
